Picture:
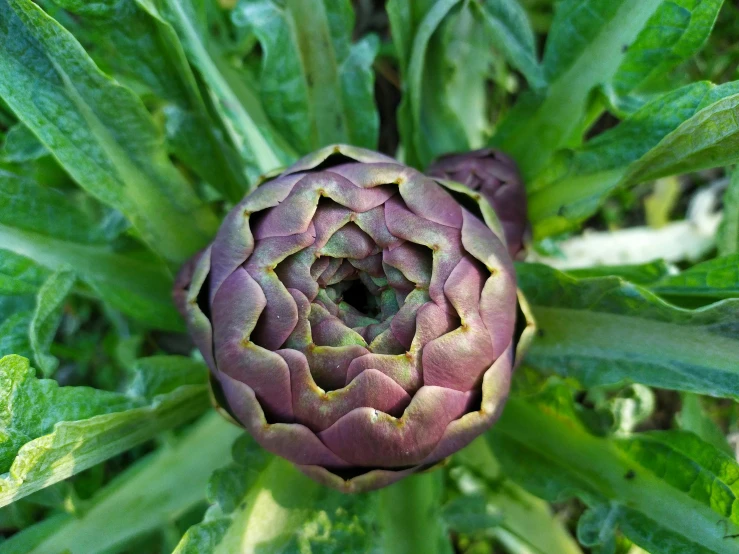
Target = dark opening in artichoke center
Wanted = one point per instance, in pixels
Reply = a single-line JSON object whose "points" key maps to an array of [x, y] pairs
{"points": [[357, 317], [356, 295]]}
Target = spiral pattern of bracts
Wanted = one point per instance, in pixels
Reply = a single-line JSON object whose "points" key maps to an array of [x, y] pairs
{"points": [[358, 320]]}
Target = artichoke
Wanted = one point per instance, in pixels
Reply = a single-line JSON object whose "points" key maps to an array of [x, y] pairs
{"points": [[495, 176], [359, 319]]}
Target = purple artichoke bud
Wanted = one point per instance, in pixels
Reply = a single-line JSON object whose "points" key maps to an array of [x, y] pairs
{"points": [[495, 176], [357, 318]]}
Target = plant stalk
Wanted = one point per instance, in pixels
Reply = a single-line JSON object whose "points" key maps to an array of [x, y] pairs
{"points": [[409, 516]]}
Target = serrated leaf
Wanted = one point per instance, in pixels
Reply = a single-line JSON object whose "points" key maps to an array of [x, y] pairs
{"points": [[667, 491], [50, 433], [98, 130], [42, 225], [603, 331], [30, 407], [46, 318], [203, 537], [141, 500], [315, 84]]}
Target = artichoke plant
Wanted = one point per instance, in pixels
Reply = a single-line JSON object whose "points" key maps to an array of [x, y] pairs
{"points": [[358, 317], [496, 177]]}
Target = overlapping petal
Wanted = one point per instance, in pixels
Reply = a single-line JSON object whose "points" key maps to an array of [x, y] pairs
{"points": [[358, 319]]}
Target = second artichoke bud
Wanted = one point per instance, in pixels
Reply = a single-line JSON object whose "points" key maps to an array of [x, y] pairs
{"points": [[495, 176], [358, 317]]}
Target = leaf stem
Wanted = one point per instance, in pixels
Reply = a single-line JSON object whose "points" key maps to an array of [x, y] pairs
{"points": [[409, 516]]}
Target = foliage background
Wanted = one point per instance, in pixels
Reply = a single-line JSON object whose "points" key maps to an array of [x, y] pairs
{"points": [[129, 127]]}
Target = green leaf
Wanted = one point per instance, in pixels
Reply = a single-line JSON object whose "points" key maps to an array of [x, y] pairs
{"points": [[727, 238], [578, 181], [315, 84], [161, 374], [404, 19], [263, 503], [21, 145], [14, 332], [98, 130], [30, 407], [20, 280], [708, 139], [236, 102], [43, 225], [31, 207], [605, 330], [674, 34], [7, 119], [125, 42], [597, 527], [131, 42], [410, 516], [693, 418], [714, 280], [470, 514], [512, 35], [19, 275], [522, 522], [450, 56], [190, 131], [143, 499], [203, 537], [667, 491], [427, 125], [582, 31], [48, 433], [459, 70], [206, 152], [46, 318], [642, 274]]}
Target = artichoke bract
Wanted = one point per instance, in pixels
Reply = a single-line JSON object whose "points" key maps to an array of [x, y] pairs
{"points": [[359, 319], [496, 177]]}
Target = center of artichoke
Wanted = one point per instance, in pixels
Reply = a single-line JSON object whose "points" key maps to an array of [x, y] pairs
{"points": [[357, 316], [361, 299]]}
